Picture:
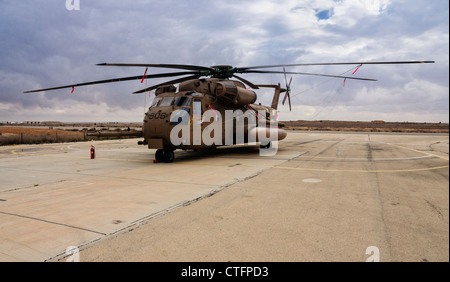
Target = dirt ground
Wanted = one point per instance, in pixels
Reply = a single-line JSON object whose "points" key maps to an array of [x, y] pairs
{"points": [[362, 126], [34, 135], [322, 125], [29, 134], [34, 131]]}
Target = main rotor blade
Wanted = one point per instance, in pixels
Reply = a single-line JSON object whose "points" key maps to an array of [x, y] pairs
{"points": [[246, 82], [314, 74], [161, 75], [175, 81], [245, 69], [169, 66]]}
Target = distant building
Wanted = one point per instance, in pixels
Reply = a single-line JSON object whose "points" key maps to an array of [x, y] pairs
{"points": [[51, 123]]}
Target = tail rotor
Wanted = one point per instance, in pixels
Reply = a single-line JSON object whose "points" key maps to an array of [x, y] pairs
{"points": [[288, 90]]}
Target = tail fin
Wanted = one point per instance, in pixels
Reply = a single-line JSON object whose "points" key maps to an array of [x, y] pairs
{"points": [[278, 91], [276, 95]]}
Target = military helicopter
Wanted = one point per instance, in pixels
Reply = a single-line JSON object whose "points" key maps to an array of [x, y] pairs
{"points": [[207, 93]]}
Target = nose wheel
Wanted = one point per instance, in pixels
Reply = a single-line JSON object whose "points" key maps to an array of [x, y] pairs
{"points": [[166, 156], [265, 145]]}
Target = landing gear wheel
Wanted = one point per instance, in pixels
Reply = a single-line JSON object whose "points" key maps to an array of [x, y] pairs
{"points": [[265, 145], [169, 156], [159, 155]]}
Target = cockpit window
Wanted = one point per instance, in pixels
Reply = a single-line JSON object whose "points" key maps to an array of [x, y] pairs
{"points": [[182, 101], [197, 105], [166, 101], [155, 102]]}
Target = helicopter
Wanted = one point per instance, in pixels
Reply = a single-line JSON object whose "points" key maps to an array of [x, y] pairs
{"points": [[210, 109]]}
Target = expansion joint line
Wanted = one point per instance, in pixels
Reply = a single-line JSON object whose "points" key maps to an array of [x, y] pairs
{"points": [[52, 222]]}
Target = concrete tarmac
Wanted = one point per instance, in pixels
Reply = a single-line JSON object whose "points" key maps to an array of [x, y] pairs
{"points": [[325, 196]]}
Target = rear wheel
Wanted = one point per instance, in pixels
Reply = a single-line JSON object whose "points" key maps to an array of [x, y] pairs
{"points": [[169, 156]]}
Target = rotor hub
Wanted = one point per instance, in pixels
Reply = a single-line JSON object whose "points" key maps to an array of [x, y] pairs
{"points": [[222, 71]]}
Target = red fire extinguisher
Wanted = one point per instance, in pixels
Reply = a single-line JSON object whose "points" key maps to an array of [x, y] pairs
{"points": [[92, 152]]}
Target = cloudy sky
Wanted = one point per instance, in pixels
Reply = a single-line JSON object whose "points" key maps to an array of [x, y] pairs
{"points": [[45, 44]]}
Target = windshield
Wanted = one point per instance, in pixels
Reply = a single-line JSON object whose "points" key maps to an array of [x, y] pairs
{"points": [[155, 102], [182, 101], [166, 101]]}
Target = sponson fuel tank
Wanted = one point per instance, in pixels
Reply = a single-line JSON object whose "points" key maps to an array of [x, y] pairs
{"points": [[267, 134]]}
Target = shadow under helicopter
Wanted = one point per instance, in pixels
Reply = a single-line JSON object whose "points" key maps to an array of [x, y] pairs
{"points": [[231, 152]]}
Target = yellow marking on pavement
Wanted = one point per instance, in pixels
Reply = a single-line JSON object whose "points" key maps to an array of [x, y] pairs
{"points": [[414, 150], [322, 170], [269, 166], [79, 157], [366, 171]]}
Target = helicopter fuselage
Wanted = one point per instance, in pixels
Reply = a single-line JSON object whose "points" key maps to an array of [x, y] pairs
{"points": [[207, 113]]}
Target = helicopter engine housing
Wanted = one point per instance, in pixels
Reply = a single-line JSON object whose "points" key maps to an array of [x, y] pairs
{"points": [[228, 92]]}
